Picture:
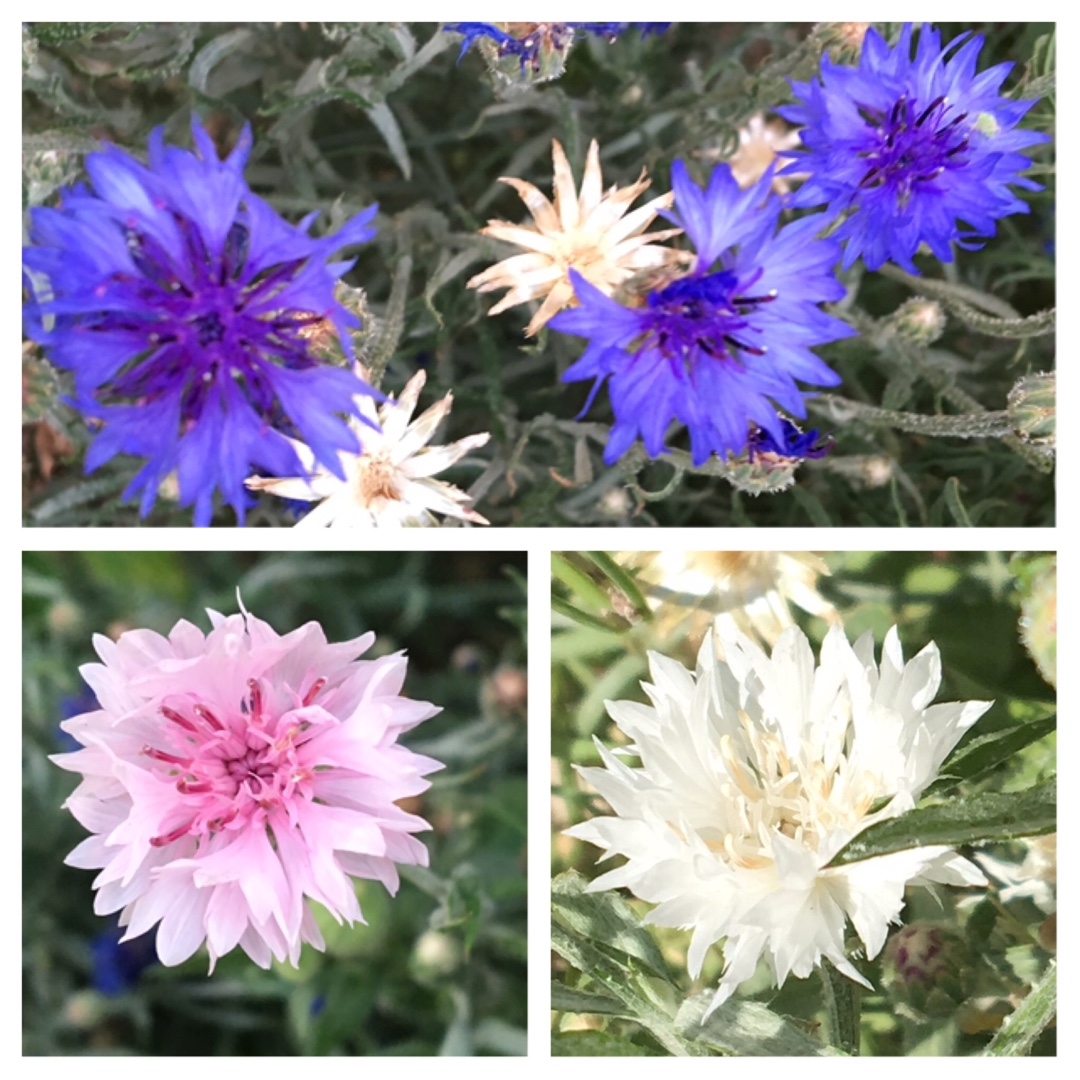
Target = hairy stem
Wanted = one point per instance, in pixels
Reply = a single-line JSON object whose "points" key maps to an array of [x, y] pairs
{"points": [[843, 1003], [976, 425]]}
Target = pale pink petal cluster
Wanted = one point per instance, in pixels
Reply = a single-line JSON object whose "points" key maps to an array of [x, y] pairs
{"points": [[755, 770], [391, 483], [230, 778]]}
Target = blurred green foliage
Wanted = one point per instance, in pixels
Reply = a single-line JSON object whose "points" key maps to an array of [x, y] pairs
{"points": [[345, 114], [970, 604], [438, 969]]}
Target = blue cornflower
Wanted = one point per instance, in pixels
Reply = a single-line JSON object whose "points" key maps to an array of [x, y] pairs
{"points": [[533, 39], [721, 348], [907, 149], [183, 304], [792, 443], [118, 964]]}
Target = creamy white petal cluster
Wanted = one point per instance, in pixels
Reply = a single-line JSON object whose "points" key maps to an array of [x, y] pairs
{"points": [[391, 482], [755, 771], [748, 591]]}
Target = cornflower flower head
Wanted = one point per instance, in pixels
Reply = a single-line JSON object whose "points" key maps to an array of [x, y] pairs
{"points": [[904, 149], [540, 47], [792, 444], [748, 591], [229, 778], [590, 233], [722, 347], [180, 301], [390, 483], [761, 143], [755, 771]]}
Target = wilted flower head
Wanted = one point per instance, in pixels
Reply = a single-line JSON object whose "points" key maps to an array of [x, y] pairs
{"points": [[749, 591], [721, 348], [760, 142], [590, 233], [179, 300], [229, 778], [755, 771], [906, 149], [390, 483]]}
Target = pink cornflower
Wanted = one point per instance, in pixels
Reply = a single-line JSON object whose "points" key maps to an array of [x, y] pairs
{"points": [[229, 777]]}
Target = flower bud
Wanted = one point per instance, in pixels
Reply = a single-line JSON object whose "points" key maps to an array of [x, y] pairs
{"points": [[918, 321], [505, 692], [847, 40], [923, 967], [767, 472], [1038, 621], [1032, 409]]}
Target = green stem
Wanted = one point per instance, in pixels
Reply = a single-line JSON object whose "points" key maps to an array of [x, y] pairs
{"points": [[963, 302], [979, 425], [389, 329], [843, 1003]]}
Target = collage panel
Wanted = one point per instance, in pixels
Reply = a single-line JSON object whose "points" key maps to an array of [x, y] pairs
{"points": [[555, 274], [803, 803], [274, 803]]}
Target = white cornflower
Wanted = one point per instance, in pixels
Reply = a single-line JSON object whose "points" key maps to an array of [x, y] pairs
{"points": [[755, 772], [590, 233], [389, 484], [749, 591]]}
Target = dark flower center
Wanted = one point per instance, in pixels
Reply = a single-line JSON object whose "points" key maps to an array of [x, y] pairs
{"points": [[705, 313], [204, 318], [912, 144]]}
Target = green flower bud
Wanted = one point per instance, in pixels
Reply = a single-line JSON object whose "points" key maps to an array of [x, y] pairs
{"points": [[918, 321], [1032, 409], [765, 473]]}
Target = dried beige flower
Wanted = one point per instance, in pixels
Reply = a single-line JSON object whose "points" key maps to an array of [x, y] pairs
{"points": [[760, 141], [589, 232]]}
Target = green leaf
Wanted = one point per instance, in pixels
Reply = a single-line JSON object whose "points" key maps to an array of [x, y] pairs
{"points": [[955, 503], [596, 1044], [963, 820], [567, 999], [623, 581], [982, 755], [1036, 1012], [564, 607], [745, 1028], [383, 119], [579, 583], [604, 918], [625, 985]]}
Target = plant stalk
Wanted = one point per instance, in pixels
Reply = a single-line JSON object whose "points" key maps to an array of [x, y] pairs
{"points": [[843, 1005]]}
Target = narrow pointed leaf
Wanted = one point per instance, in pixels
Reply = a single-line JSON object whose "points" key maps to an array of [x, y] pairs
{"points": [[746, 1028], [604, 918], [968, 820], [1035, 1013]]}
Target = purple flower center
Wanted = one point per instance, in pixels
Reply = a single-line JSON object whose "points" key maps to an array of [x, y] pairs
{"points": [[705, 313], [206, 319], [240, 766], [912, 145]]}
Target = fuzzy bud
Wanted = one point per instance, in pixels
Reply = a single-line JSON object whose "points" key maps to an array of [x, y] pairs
{"points": [[1032, 409], [767, 472], [918, 321], [923, 966], [1038, 621]]}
